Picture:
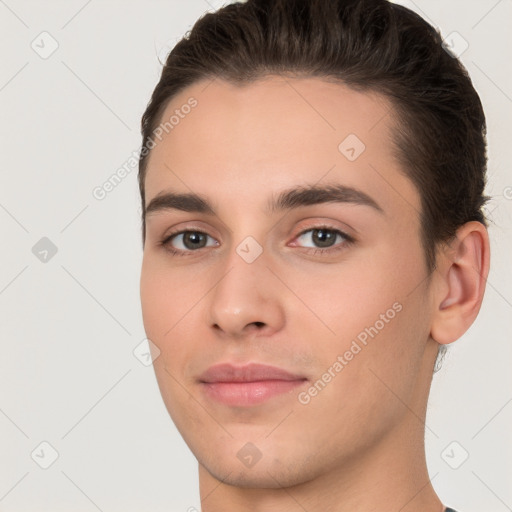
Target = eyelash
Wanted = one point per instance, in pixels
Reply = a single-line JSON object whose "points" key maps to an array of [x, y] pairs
{"points": [[348, 240]]}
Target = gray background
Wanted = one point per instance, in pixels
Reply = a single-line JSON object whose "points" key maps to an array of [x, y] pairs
{"points": [[69, 324]]}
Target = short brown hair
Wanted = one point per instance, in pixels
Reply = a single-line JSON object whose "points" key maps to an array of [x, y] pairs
{"points": [[369, 45]]}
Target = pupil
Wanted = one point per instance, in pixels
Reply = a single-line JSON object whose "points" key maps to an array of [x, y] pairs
{"points": [[323, 237], [192, 239]]}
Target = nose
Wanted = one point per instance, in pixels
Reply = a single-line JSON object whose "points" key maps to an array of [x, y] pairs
{"points": [[246, 300]]}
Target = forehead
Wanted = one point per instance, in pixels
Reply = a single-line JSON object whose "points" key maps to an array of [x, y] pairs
{"points": [[272, 134]]}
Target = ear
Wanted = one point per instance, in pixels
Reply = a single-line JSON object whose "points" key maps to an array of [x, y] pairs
{"points": [[461, 275]]}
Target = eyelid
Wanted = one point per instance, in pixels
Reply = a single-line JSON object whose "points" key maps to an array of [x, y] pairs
{"points": [[319, 223], [184, 229]]}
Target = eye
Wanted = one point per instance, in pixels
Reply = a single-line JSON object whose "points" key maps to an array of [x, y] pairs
{"points": [[324, 239], [184, 242]]}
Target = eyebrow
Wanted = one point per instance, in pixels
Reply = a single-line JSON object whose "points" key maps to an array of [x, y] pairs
{"points": [[304, 195]]}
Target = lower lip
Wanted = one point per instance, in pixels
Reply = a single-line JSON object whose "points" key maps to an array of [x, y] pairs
{"points": [[248, 393]]}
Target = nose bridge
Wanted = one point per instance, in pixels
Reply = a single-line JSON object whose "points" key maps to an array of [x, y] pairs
{"points": [[242, 295]]}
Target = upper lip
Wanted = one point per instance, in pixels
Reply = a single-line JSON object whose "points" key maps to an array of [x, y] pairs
{"points": [[253, 372]]}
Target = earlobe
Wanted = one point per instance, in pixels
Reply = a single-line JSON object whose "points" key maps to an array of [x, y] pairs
{"points": [[462, 269]]}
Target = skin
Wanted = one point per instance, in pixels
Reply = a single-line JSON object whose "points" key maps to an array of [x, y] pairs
{"points": [[358, 444]]}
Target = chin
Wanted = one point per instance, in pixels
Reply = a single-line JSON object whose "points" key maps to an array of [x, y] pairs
{"points": [[269, 472], [248, 479], [263, 478]]}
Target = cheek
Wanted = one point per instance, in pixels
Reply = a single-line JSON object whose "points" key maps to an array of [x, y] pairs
{"points": [[374, 306], [165, 300], [352, 296], [172, 309], [381, 358], [154, 300]]}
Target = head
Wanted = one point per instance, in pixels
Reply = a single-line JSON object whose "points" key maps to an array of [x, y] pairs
{"points": [[271, 102]]}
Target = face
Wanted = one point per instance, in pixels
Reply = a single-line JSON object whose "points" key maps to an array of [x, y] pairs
{"points": [[291, 323]]}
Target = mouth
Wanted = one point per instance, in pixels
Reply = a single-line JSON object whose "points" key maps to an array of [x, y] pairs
{"points": [[245, 386]]}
